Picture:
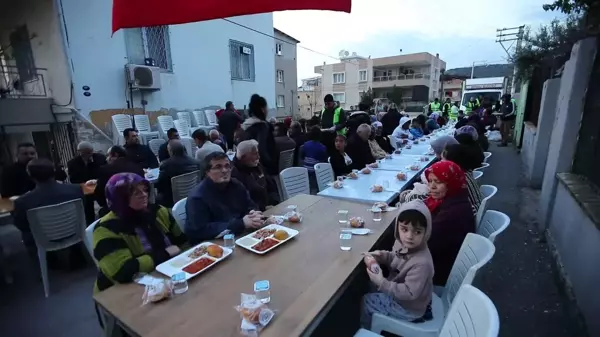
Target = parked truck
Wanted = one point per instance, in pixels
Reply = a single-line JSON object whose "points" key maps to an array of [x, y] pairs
{"points": [[491, 88]]}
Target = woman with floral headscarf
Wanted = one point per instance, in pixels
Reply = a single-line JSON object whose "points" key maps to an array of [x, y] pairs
{"points": [[135, 236], [453, 217]]}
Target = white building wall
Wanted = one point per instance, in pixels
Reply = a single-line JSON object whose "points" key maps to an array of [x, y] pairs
{"points": [[352, 92]]}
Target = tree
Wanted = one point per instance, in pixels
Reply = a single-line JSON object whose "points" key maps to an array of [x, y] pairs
{"points": [[588, 10], [367, 97], [395, 95]]}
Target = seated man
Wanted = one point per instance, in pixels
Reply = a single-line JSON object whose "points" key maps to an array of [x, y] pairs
{"points": [[216, 138], [163, 152], [359, 149], [219, 205], [247, 169], [177, 164], [205, 146], [138, 153], [47, 192]]}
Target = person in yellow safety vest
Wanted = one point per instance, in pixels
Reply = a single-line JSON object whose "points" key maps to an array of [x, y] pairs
{"points": [[333, 117], [471, 105], [446, 108], [454, 109], [434, 106]]}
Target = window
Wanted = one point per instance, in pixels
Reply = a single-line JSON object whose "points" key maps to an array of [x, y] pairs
{"points": [[149, 42], [279, 49], [339, 97], [242, 61], [339, 78], [280, 101], [280, 76], [22, 53], [362, 75]]}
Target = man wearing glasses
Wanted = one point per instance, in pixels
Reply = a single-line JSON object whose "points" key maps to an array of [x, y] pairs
{"points": [[219, 205]]}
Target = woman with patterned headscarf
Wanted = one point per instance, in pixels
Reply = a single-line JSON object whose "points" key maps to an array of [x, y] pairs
{"points": [[135, 236], [453, 217]]}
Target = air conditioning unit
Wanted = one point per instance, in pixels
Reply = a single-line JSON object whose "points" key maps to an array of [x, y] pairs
{"points": [[143, 77]]}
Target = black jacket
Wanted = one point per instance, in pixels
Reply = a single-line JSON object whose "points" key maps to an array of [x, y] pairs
{"points": [[390, 121], [16, 181], [360, 152], [79, 172], [120, 165], [163, 152], [338, 164], [229, 121], [262, 188], [173, 167], [355, 120], [141, 155], [262, 132]]}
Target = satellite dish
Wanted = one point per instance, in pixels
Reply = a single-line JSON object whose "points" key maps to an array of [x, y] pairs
{"points": [[341, 53], [346, 53]]}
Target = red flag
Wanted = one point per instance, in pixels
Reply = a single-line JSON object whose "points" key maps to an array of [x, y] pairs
{"points": [[145, 13]]}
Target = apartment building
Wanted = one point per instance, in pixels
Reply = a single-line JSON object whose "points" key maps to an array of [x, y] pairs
{"points": [[453, 89], [286, 73], [416, 75], [310, 98]]}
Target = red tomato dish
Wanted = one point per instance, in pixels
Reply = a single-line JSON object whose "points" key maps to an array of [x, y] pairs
{"points": [[197, 266], [265, 244]]}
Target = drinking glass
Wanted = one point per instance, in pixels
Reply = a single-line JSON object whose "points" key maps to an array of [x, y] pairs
{"points": [[229, 241], [343, 217], [180, 284], [376, 213], [345, 239]]}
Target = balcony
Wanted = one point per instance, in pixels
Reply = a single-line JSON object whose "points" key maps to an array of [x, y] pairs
{"points": [[409, 80], [24, 98]]}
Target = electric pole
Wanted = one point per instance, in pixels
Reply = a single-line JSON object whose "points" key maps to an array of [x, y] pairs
{"points": [[514, 35]]}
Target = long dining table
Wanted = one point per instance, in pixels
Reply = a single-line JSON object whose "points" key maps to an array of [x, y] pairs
{"points": [[307, 275]]}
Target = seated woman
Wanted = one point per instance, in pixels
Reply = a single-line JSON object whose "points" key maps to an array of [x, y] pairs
{"points": [[402, 131], [460, 154], [314, 151], [135, 236], [339, 160], [468, 136], [452, 214], [383, 141], [247, 169], [439, 144], [416, 129], [423, 124], [376, 150], [432, 122]]}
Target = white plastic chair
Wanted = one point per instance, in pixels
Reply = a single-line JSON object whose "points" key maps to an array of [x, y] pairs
{"points": [[179, 213], [486, 156], [366, 333], [142, 124], [201, 122], [477, 174], [492, 224], [286, 159], [473, 314], [182, 127], [89, 239], [294, 181], [165, 122], [56, 227], [211, 117], [487, 191], [483, 166], [185, 115], [120, 123], [324, 173], [155, 144], [182, 185], [190, 146], [474, 253]]}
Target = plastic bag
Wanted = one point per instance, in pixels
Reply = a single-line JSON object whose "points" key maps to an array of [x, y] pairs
{"points": [[494, 136], [255, 315], [157, 292]]}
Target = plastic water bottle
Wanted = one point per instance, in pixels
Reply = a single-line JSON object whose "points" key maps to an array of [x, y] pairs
{"points": [[262, 290], [345, 240], [180, 284]]}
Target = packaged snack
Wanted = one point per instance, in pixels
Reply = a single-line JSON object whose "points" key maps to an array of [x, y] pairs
{"points": [[157, 292], [401, 176], [255, 315], [338, 184], [377, 188]]}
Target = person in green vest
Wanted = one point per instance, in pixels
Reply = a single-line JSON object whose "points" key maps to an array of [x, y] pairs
{"points": [[471, 105], [333, 121], [434, 106], [453, 114], [447, 107]]}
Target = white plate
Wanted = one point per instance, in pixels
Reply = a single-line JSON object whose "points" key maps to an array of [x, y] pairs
{"points": [[175, 265], [360, 231], [247, 242]]}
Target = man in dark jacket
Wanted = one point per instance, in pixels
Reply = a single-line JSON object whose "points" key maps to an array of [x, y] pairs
{"points": [[138, 153], [282, 140], [163, 152], [229, 121], [179, 163], [357, 118], [219, 205], [358, 148], [247, 169], [256, 127], [390, 121], [118, 162], [15, 181]]}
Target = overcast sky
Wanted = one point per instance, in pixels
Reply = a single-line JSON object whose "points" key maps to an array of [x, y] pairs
{"points": [[461, 31]]}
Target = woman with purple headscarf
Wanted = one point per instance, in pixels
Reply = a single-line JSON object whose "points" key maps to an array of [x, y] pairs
{"points": [[135, 236]]}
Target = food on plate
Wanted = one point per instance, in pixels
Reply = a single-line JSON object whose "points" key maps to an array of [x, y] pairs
{"points": [[366, 170], [424, 158], [352, 175], [91, 182], [357, 222], [270, 220], [281, 235], [215, 251], [374, 165], [265, 244], [376, 188], [197, 252], [295, 218], [414, 167], [382, 205], [198, 266], [263, 233], [401, 176], [338, 184]]}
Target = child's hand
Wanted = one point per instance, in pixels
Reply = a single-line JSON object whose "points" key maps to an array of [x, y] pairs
{"points": [[376, 277]]}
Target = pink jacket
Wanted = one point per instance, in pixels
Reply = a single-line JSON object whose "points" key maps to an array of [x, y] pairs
{"points": [[411, 271]]}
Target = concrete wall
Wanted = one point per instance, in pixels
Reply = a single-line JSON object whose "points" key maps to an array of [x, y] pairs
{"points": [[201, 73], [287, 62]]}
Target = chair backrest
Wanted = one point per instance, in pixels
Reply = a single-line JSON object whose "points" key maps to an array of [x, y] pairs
{"points": [[142, 123], [182, 185], [165, 122], [199, 117], [286, 159], [477, 174], [324, 173], [190, 146], [89, 239], [57, 226], [122, 122], [492, 224], [486, 156], [155, 144], [179, 213], [184, 115], [487, 191], [473, 314], [475, 252], [182, 126], [483, 165], [294, 181], [211, 116]]}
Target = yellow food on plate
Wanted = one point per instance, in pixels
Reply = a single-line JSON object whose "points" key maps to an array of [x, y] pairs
{"points": [[281, 235], [215, 251], [401, 176]]}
